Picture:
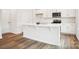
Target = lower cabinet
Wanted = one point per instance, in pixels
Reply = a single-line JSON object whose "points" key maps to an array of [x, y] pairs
{"points": [[77, 34], [68, 28], [77, 24], [0, 33], [46, 34]]}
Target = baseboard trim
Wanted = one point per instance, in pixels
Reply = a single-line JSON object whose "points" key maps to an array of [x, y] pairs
{"points": [[68, 34], [7, 33]]}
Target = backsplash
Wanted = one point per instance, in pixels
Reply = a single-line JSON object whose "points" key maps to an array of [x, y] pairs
{"points": [[42, 20]]}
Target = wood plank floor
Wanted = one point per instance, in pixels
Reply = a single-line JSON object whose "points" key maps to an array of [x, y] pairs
{"points": [[13, 41], [69, 41]]}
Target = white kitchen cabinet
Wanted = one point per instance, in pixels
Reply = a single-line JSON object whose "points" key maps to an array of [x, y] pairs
{"points": [[0, 26], [68, 21], [24, 16], [43, 33], [71, 13], [48, 12], [0, 33], [8, 20], [68, 12], [5, 17], [13, 21], [68, 28], [77, 24]]}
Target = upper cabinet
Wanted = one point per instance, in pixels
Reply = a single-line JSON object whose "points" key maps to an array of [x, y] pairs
{"points": [[42, 13], [68, 13], [24, 16], [48, 12], [77, 19]]}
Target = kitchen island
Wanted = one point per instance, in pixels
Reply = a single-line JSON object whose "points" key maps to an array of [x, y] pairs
{"points": [[47, 33]]}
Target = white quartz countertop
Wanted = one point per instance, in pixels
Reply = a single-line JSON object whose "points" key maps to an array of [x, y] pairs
{"points": [[50, 25]]}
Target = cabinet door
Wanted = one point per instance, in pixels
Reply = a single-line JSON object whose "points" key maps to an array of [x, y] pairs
{"points": [[48, 13], [68, 13], [45, 12], [5, 16], [38, 12], [77, 23], [71, 13], [50, 35], [68, 28], [64, 13], [13, 21], [0, 33]]}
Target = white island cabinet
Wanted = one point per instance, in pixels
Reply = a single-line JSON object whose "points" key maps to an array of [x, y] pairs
{"points": [[47, 33]]}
